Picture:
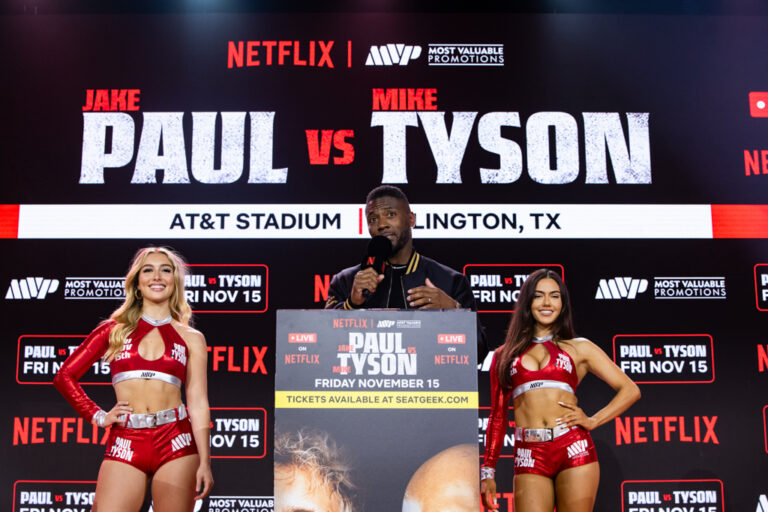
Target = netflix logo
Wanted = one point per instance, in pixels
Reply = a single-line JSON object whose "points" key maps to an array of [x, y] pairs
{"points": [[56, 430], [318, 54], [322, 284], [227, 358], [666, 429]]}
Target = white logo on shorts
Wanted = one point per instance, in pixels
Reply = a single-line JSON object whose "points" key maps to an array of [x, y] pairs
{"points": [[181, 441], [578, 448], [121, 449], [524, 458]]}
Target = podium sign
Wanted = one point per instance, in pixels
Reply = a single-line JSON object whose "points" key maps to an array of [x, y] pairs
{"points": [[395, 392]]}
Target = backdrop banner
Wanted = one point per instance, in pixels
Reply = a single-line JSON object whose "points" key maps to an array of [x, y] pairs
{"points": [[628, 153]]}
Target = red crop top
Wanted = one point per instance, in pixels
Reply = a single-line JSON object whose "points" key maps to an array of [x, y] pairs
{"points": [[171, 367], [559, 372]]}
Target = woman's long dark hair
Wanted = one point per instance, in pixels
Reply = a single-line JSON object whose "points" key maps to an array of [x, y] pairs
{"points": [[521, 328]]}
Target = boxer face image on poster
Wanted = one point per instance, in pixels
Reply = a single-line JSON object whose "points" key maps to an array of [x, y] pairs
{"points": [[446, 482], [310, 474]]}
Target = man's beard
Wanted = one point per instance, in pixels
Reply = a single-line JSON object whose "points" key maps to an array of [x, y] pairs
{"points": [[401, 241]]}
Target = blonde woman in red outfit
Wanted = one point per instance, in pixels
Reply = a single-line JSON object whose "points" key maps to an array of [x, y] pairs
{"points": [[539, 366], [152, 352]]}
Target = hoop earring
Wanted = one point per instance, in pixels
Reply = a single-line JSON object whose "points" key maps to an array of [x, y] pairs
{"points": [[137, 294]]}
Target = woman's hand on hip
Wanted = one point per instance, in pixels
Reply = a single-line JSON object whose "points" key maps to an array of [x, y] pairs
{"points": [[575, 417]]}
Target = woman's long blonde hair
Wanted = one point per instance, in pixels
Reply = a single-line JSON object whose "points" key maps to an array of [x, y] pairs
{"points": [[127, 315]]}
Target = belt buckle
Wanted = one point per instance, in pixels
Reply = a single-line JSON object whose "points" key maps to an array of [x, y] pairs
{"points": [[151, 420], [538, 435], [166, 416]]}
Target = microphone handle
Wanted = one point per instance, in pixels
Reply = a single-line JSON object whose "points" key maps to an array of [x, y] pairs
{"points": [[378, 264]]}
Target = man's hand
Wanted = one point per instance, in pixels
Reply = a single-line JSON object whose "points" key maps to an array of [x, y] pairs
{"points": [[430, 297], [367, 279]]}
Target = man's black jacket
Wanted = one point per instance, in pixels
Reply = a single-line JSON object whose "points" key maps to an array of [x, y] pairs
{"points": [[418, 269]]}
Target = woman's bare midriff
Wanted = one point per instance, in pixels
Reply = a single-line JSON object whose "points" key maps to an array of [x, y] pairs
{"points": [[538, 408], [147, 395]]}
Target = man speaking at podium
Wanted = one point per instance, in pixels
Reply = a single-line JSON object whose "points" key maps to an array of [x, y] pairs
{"points": [[398, 277]]}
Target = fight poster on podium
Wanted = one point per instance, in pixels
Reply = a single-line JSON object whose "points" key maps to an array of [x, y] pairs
{"points": [[376, 410]]}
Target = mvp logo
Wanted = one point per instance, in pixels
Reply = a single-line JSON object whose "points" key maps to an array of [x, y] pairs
{"points": [[31, 288], [391, 54], [620, 288], [577, 448]]}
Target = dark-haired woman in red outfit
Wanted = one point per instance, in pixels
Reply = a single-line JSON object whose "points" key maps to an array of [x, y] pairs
{"points": [[539, 366]]}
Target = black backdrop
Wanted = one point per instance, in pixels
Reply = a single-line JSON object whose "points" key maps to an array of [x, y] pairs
{"points": [[691, 73]]}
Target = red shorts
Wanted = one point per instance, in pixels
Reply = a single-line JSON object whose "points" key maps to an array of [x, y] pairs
{"points": [[149, 448], [549, 458]]}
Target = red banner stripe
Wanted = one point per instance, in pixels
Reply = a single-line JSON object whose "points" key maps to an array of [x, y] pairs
{"points": [[9, 221], [739, 221]]}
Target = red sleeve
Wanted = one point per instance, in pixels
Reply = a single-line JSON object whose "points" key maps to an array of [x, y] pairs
{"points": [[497, 421], [66, 380]]}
